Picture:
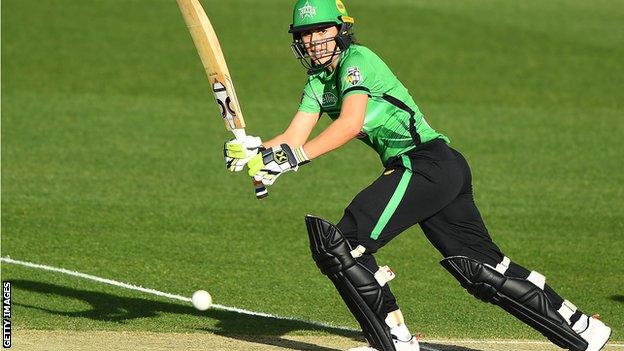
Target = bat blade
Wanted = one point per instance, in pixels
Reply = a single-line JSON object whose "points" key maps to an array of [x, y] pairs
{"points": [[211, 55]]}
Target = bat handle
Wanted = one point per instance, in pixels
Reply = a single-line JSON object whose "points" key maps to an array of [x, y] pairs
{"points": [[260, 189]]}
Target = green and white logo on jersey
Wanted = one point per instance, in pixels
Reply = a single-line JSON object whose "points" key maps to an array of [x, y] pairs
{"points": [[354, 77], [329, 100], [307, 11]]}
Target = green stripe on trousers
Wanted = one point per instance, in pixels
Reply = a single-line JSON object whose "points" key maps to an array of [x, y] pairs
{"points": [[394, 200]]}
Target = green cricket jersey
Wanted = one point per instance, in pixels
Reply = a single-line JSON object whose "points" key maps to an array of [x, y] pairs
{"points": [[393, 124]]}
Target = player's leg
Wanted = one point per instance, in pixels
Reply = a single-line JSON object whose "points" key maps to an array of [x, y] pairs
{"points": [[409, 190], [459, 234], [590, 328], [394, 317], [404, 340], [359, 287], [348, 227]]}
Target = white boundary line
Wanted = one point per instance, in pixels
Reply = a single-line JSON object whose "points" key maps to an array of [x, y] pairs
{"points": [[8, 259]]}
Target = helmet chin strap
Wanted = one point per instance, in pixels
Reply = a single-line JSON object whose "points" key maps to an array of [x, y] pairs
{"points": [[317, 68]]}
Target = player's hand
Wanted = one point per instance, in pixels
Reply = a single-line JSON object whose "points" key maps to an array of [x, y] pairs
{"points": [[237, 153], [271, 163]]}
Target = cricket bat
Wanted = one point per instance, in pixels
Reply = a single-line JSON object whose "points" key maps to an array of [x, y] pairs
{"points": [[209, 51]]}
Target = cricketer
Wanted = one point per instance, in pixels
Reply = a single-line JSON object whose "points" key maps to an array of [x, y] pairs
{"points": [[425, 181]]}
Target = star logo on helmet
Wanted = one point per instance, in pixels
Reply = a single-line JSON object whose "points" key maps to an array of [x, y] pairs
{"points": [[307, 11]]}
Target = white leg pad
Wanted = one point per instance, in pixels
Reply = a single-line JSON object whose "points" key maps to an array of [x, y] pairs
{"points": [[567, 310], [537, 279], [358, 251], [503, 266], [384, 275], [394, 318]]}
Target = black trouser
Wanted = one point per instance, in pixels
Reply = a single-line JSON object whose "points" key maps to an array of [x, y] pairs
{"points": [[431, 186]]}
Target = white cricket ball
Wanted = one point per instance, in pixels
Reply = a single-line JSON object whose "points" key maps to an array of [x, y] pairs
{"points": [[201, 300]]}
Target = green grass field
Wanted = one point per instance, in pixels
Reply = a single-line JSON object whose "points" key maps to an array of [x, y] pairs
{"points": [[112, 160]]}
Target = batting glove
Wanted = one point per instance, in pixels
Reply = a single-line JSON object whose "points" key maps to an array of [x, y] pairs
{"points": [[237, 153], [272, 162]]}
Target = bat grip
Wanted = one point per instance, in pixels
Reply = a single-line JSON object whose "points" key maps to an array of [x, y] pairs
{"points": [[260, 190]]}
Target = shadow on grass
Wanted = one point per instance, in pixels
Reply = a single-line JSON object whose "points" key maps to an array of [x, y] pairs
{"points": [[617, 298], [257, 329], [110, 308]]}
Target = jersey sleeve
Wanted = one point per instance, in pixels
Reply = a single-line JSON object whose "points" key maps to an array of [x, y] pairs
{"points": [[309, 103], [356, 76]]}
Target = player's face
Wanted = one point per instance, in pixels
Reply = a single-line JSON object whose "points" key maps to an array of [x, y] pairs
{"points": [[320, 44]]}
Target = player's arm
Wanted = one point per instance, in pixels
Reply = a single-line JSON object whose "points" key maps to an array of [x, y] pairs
{"points": [[346, 127], [273, 162], [358, 78], [297, 132], [238, 153]]}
